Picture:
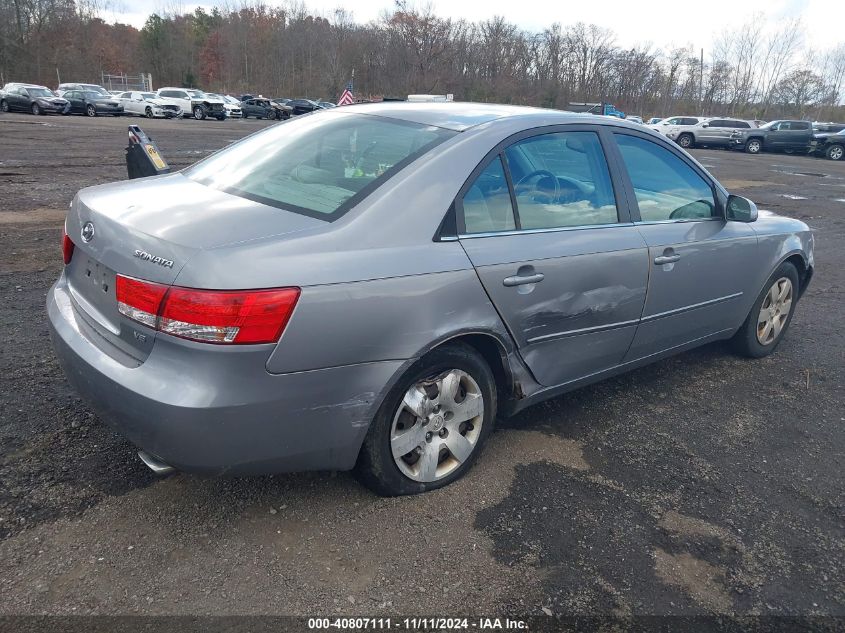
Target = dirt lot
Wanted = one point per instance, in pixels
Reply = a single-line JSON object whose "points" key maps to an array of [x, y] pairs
{"points": [[705, 483]]}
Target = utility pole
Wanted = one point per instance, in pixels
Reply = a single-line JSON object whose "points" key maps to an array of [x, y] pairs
{"points": [[701, 84]]}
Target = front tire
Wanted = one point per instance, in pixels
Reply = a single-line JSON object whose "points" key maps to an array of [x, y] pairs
{"points": [[90, 110], [148, 112], [199, 113], [835, 152], [771, 314], [432, 425], [754, 146], [4, 106], [686, 141], [36, 110]]}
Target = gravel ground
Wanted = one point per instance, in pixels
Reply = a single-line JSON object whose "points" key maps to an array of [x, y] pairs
{"points": [[701, 484]]}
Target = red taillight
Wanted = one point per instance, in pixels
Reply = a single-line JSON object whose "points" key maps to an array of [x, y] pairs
{"points": [[67, 247], [139, 300], [210, 316]]}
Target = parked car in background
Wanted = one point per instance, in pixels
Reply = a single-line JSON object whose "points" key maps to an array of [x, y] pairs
{"points": [[63, 88], [654, 120], [232, 105], [831, 145], [18, 97], [671, 127], [149, 105], [634, 119], [259, 108], [775, 136], [326, 104], [304, 106], [93, 103], [194, 102], [280, 317], [713, 132]]}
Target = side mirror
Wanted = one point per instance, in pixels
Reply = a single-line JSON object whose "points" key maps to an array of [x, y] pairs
{"points": [[740, 209], [705, 125]]}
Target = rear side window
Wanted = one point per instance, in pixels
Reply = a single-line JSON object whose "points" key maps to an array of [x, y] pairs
{"points": [[718, 123], [561, 180], [487, 203], [740, 124], [666, 187], [799, 125], [318, 166]]}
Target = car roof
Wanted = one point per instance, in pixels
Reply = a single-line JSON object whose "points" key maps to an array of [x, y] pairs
{"points": [[461, 116]]}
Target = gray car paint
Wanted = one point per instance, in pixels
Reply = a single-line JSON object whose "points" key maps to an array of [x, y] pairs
{"points": [[380, 287]]}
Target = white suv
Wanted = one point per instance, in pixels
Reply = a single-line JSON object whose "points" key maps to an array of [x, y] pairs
{"points": [[674, 125], [195, 102]]}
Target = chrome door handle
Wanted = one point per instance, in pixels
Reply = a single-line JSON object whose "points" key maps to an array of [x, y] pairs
{"points": [[666, 259], [516, 280]]}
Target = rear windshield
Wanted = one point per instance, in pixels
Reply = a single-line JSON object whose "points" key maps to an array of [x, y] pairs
{"points": [[318, 165]]}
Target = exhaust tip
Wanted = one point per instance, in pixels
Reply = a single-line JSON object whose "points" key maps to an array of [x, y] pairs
{"points": [[155, 464]]}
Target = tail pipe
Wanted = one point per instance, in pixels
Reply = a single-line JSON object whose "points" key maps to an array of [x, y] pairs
{"points": [[155, 464]]}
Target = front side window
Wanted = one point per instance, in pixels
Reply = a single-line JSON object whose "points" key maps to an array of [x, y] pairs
{"points": [[487, 203], [561, 180], [665, 186], [318, 166]]}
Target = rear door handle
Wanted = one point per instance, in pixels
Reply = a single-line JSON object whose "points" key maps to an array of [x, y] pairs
{"points": [[517, 280], [666, 259]]}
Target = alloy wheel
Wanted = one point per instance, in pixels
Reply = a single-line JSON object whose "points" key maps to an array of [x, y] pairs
{"points": [[91, 110], [437, 426], [835, 152], [753, 147], [774, 311]]}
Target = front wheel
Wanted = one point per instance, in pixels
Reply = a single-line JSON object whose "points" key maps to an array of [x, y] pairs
{"points": [[770, 315], [4, 106], [36, 109], [753, 146], [432, 425], [686, 141], [90, 110], [148, 112], [835, 152], [199, 113]]}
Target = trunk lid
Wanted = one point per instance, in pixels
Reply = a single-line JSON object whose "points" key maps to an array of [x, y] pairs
{"points": [[148, 229]]}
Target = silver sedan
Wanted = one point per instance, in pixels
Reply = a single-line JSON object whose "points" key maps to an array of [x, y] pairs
{"points": [[369, 287]]}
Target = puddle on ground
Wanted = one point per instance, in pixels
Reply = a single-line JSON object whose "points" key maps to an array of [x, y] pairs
{"points": [[792, 196], [813, 174]]}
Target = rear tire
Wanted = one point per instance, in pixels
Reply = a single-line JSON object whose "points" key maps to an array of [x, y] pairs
{"points": [[835, 152], [4, 106], [770, 316], [449, 392], [148, 112], [753, 146]]}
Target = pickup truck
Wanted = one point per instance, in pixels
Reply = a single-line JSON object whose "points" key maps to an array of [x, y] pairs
{"points": [[784, 136]]}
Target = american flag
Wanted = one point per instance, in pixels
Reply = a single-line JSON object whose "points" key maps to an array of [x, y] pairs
{"points": [[346, 97]]}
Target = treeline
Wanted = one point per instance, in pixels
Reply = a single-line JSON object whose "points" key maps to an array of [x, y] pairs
{"points": [[289, 51]]}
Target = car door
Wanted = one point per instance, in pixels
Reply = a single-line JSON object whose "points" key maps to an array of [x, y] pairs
{"points": [[17, 99], [696, 288], [800, 134], [778, 135], [717, 132], [76, 103], [544, 222]]}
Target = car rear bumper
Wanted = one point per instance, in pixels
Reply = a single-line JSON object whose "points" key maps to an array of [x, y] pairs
{"points": [[203, 408]]}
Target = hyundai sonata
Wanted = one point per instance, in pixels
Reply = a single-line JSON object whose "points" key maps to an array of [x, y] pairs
{"points": [[369, 287]]}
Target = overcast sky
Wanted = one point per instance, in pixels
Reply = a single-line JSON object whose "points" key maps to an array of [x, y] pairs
{"points": [[664, 23]]}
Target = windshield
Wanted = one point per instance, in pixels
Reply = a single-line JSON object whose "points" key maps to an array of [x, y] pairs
{"points": [[198, 94], [149, 96], [90, 94], [769, 125], [40, 92], [317, 166], [97, 89]]}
